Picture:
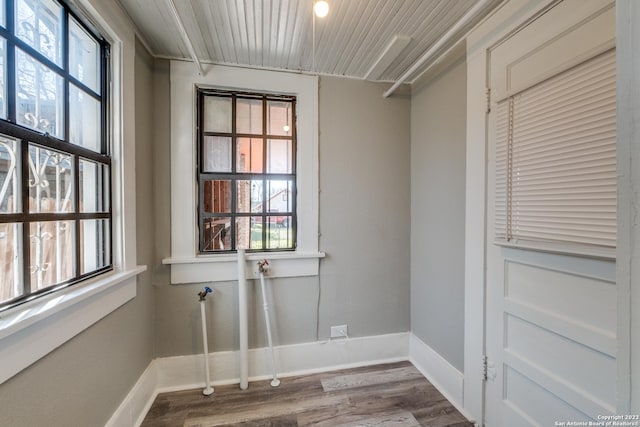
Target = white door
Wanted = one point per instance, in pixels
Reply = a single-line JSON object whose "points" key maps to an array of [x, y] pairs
{"points": [[550, 307]]}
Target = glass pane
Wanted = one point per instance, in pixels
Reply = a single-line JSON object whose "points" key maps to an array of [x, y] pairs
{"points": [[3, 18], [217, 234], [10, 265], [85, 126], [279, 232], [251, 233], [39, 24], [84, 56], [52, 253], [250, 155], [217, 154], [94, 245], [249, 116], [280, 196], [93, 188], [248, 233], [9, 178], [106, 184], [39, 97], [279, 118], [217, 196], [217, 114], [50, 181], [256, 233], [3, 78], [249, 196], [279, 156]]}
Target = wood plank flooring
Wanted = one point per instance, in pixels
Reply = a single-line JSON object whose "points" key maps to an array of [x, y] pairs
{"points": [[390, 395]]}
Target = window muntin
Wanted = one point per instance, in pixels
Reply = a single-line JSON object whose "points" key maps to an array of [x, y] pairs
{"points": [[247, 178], [55, 209]]}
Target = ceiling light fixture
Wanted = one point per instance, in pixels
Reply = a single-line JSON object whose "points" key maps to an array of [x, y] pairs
{"points": [[321, 8], [286, 127]]}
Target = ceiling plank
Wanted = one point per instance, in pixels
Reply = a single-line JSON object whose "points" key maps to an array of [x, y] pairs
{"points": [[278, 33]]}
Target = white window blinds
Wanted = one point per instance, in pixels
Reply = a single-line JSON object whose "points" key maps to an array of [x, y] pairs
{"points": [[556, 159]]}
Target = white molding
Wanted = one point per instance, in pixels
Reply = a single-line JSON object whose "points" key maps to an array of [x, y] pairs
{"points": [[135, 406], [220, 268], [628, 155], [479, 40], [115, 27], [184, 372], [187, 372], [440, 373], [475, 235], [33, 332]]}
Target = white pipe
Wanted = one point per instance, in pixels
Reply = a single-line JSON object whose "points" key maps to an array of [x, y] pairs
{"points": [[243, 321], [263, 266], [185, 36], [203, 314], [468, 17]]}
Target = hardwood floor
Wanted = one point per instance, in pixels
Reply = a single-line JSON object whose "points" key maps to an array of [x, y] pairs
{"points": [[390, 395]]}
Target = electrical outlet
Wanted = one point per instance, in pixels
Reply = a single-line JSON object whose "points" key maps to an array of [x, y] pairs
{"points": [[339, 331]]}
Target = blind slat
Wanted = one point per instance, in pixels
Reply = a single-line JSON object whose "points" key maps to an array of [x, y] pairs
{"points": [[597, 140], [583, 128]]}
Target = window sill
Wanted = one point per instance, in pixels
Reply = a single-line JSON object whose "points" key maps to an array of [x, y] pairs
{"points": [[224, 267], [560, 249], [32, 330]]}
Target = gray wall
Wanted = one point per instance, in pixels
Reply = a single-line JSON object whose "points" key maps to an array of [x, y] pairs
{"points": [[82, 382], [364, 208], [364, 221], [438, 122]]}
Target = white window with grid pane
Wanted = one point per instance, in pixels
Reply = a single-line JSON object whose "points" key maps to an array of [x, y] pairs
{"points": [[202, 243], [55, 159], [66, 148]]}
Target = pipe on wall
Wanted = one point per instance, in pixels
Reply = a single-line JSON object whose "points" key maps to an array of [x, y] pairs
{"points": [[243, 321], [203, 315], [263, 267]]}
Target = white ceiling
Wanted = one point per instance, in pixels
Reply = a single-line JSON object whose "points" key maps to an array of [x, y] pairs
{"points": [[278, 34]]}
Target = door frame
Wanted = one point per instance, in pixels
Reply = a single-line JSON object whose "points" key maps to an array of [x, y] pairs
{"points": [[505, 19], [628, 250]]}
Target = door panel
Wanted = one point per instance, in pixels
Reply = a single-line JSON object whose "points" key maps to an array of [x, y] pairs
{"points": [[551, 318], [565, 36], [530, 404]]}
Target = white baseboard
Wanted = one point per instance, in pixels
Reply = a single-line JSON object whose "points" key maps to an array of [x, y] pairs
{"points": [[184, 372], [445, 377], [187, 372], [135, 406]]}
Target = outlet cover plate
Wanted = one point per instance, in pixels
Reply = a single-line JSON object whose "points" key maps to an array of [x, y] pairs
{"points": [[339, 331]]}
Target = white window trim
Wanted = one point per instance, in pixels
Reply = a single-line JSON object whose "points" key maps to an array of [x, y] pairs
{"points": [[32, 330], [187, 266]]}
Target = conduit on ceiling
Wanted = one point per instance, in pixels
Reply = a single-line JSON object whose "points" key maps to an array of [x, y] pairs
{"points": [[474, 12], [185, 36]]}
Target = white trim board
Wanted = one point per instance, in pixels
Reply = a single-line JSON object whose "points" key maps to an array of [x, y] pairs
{"points": [[34, 330], [187, 372], [187, 265], [441, 374], [135, 406]]}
